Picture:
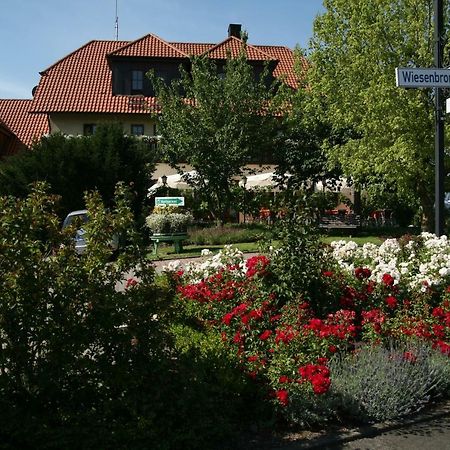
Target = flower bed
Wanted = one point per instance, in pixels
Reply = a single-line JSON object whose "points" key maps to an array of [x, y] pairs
{"points": [[365, 296]]}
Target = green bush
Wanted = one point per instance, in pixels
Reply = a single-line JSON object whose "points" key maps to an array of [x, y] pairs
{"points": [[228, 234], [82, 364], [298, 262], [377, 383], [75, 164]]}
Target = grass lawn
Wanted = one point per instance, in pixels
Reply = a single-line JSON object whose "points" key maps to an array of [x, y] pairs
{"points": [[167, 251]]}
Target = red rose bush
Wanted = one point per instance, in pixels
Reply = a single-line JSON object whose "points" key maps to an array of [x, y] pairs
{"points": [[285, 344]]}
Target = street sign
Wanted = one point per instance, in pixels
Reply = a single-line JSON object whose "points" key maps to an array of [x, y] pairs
{"points": [[177, 201], [413, 77]]}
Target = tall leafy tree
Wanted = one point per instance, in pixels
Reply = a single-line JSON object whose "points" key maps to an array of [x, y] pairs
{"points": [[354, 52], [216, 119], [300, 155]]}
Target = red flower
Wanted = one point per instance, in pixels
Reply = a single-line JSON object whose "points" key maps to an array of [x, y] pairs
{"points": [[265, 335], [226, 319], [332, 348], [388, 279], [411, 357], [362, 272], [443, 347], [283, 379], [438, 312], [283, 396], [320, 384], [237, 339], [327, 273], [257, 265], [130, 283], [391, 301]]}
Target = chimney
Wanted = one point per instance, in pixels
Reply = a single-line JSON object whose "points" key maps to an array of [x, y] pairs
{"points": [[234, 29]]}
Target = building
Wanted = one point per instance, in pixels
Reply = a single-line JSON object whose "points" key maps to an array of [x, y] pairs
{"points": [[105, 81], [19, 127]]}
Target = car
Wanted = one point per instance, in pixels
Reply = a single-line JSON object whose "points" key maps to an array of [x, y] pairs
{"points": [[82, 216]]}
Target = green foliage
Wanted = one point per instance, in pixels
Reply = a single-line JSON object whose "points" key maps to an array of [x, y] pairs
{"points": [[216, 122], [389, 131], [229, 234], [300, 151], [376, 383], [81, 363], [299, 250], [73, 165]]}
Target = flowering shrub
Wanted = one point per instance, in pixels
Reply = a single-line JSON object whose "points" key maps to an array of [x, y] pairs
{"points": [[285, 342], [168, 219], [420, 262]]}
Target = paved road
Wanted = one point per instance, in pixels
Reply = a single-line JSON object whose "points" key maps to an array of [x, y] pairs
{"points": [[433, 435]]}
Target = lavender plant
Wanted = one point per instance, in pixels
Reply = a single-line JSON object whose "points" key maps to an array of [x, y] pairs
{"points": [[376, 383]]}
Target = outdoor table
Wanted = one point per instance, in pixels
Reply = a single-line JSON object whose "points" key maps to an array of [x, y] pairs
{"points": [[176, 238]]}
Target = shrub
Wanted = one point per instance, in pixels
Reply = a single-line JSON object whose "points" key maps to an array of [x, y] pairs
{"points": [[376, 383], [229, 234], [82, 365], [298, 262], [168, 219], [75, 164]]}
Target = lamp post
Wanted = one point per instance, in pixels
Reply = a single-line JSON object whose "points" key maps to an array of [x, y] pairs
{"points": [[244, 182], [164, 182]]}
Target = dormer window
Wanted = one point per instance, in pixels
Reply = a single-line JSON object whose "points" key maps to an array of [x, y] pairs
{"points": [[137, 81]]}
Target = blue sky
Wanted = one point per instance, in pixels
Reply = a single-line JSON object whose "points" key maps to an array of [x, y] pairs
{"points": [[34, 34]]}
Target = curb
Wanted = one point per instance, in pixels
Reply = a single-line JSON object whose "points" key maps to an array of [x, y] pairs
{"points": [[365, 431]]}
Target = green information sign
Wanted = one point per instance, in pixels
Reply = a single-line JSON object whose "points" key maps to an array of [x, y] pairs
{"points": [[177, 201]]}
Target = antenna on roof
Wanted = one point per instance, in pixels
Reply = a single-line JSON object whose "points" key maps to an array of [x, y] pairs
{"points": [[116, 26]]}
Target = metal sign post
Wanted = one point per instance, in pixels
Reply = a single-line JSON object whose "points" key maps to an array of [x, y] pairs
{"points": [[435, 78], [439, 122]]}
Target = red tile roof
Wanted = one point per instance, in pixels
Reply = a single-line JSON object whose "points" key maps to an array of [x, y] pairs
{"points": [[192, 48], [150, 46], [15, 114], [286, 61], [233, 47], [82, 81]]}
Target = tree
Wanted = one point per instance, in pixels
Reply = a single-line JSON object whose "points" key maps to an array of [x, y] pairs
{"points": [[73, 165], [390, 131], [216, 122], [300, 156]]}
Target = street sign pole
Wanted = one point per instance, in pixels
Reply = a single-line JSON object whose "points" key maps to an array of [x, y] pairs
{"points": [[439, 122]]}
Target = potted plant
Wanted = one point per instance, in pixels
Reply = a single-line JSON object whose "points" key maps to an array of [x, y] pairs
{"points": [[169, 220]]}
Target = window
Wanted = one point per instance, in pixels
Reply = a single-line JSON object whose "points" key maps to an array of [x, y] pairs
{"points": [[137, 130], [137, 80], [89, 128]]}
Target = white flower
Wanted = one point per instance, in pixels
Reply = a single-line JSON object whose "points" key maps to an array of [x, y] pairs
{"points": [[172, 266]]}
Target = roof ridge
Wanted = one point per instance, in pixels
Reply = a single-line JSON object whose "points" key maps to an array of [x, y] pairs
{"points": [[144, 37], [43, 72], [230, 38]]}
